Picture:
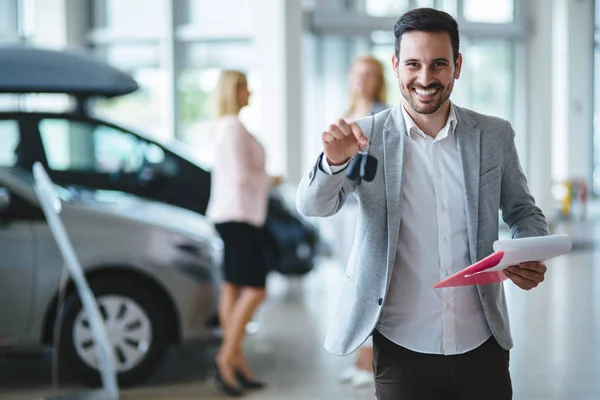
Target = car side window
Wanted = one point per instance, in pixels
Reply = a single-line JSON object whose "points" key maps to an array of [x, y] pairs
{"points": [[89, 147], [9, 139]]}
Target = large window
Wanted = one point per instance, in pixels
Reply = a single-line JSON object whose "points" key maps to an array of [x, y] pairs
{"points": [[224, 17], [497, 11], [128, 35], [175, 50], [9, 21], [395, 8], [129, 19], [486, 84], [386, 7], [196, 84]]}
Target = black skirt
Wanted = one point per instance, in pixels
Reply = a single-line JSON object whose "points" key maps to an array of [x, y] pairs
{"points": [[245, 261]]}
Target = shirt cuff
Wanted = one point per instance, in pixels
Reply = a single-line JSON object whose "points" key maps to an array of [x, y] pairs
{"points": [[332, 169]]}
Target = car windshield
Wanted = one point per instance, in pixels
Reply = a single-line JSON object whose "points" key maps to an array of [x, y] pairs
{"points": [[27, 177]]}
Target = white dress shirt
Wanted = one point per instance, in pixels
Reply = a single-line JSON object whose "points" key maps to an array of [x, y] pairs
{"points": [[432, 245]]}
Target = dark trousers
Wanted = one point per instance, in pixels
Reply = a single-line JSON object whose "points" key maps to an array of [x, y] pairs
{"points": [[402, 374]]}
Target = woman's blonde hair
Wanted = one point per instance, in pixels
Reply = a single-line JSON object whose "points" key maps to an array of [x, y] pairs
{"points": [[226, 92], [381, 92]]}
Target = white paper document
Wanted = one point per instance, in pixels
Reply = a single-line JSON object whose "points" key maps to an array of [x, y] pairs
{"points": [[539, 248]]}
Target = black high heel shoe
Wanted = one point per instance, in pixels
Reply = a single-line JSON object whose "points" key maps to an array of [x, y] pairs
{"points": [[233, 391], [249, 383]]}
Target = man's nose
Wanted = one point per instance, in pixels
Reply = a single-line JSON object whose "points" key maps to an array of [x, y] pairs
{"points": [[425, 77]]}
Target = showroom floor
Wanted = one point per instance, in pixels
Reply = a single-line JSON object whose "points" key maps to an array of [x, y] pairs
{"points": [[556, 328]]}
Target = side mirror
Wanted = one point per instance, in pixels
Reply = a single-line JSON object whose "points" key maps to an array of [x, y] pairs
{"points": [[4, 199]]}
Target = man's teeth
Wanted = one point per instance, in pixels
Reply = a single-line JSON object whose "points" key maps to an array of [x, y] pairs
{"points": [[426, 92]]}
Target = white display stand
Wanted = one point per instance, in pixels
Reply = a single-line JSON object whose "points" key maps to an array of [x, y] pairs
{"points": [[51, 207]]}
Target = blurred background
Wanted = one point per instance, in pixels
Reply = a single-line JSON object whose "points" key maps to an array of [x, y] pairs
{"points": [[532, 62]]}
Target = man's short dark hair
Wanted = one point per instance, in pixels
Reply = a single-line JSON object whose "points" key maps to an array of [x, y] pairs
{"points": [[427, 20]]}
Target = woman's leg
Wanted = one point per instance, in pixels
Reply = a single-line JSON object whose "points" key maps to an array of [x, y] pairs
{"points": [[229, 296], [364, 361], [230, 293], [364, 365], [243, 310]]}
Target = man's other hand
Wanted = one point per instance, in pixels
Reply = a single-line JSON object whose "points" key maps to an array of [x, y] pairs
{"points": [[526, 275]]}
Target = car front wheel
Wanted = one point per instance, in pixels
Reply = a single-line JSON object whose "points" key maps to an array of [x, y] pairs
{"points": [[136, 326]]}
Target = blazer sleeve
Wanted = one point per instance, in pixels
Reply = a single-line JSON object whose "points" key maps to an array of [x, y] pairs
{"points": [[518, 207], [320, 194]]}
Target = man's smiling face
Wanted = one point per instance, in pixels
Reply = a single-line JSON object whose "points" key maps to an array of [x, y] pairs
{"points": [[426, 70]]}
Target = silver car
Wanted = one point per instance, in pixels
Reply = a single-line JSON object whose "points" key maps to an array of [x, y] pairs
{"points": [[154, 269]]}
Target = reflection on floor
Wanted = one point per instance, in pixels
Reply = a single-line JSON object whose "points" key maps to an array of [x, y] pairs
{"points": [[556, 328]]}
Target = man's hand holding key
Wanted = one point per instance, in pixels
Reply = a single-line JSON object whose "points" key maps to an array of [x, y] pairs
{"points": [[342, 141]]}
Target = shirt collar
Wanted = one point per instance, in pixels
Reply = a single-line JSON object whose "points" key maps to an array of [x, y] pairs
{"points": [[448, 129]]}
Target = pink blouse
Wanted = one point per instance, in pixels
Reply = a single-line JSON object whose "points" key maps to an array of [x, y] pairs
{"points": [[240, 184]]}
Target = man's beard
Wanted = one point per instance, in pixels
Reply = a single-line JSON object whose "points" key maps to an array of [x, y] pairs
{"points": [[429, 108]]}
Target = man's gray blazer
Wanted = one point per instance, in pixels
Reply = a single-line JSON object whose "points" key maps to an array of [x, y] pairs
{"points": [[493, 180]]}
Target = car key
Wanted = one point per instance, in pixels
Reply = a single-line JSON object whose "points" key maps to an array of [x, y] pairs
{"points": [[363, 165], [368, 167], [355, 166]]}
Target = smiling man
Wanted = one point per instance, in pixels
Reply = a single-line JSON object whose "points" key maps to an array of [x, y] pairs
{"points": [[431, 210]]}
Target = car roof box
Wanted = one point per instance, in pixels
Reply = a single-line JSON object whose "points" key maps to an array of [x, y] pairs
{"points": [[25, 69]]}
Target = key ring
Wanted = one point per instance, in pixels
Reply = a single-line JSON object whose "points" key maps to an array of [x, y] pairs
{"points": [[364, 165]]}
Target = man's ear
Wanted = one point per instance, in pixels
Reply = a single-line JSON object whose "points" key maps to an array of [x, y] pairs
{"points": [[458, 66], [395, 65]]}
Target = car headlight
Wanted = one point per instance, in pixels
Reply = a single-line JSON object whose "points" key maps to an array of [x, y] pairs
{"points": [[208, 251]]}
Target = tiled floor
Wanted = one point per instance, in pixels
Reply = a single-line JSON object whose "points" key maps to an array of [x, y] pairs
{"points": [[556, 328]]}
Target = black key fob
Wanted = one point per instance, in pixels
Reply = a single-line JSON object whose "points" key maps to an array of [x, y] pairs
{"points": [[355, 167], [368, 167]]}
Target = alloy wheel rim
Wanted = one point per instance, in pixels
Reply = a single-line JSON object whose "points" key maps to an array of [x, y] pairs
{"points": [[128, 329]]}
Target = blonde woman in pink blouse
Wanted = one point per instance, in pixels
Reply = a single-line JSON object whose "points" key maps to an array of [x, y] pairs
{"points": [[238, 207]]}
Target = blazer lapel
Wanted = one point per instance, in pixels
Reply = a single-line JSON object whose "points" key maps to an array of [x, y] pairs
{"points": [[469, 140], [393, 161]]}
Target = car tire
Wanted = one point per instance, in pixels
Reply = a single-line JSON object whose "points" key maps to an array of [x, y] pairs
{"points": [[139, 345]]}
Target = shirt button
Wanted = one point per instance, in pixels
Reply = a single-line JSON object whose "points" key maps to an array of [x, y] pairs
{"points": [[445, 240], [443, 207], [380, 301], [439, 174]]}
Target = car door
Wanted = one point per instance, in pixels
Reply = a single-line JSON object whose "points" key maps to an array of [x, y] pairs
{"points": [[17, 265], [16, 247]]}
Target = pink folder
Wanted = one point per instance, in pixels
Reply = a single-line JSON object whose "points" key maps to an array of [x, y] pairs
{"points": [[509, 252], [473, 275]]}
